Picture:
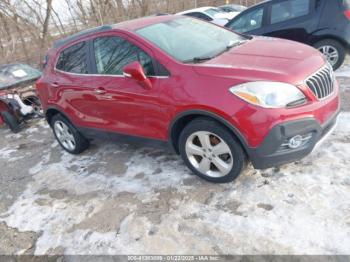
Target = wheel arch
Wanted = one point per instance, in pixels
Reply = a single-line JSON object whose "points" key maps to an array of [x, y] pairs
{"points": [[52, 111], [318, 37], [183, 119]]}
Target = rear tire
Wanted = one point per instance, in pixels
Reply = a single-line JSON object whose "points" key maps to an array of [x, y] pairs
{"points": [[68, 136], [11, 121], [333, 50], [211, 151]]}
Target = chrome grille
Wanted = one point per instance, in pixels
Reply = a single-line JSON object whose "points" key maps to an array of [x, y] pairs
{"points": [[322, 82]]}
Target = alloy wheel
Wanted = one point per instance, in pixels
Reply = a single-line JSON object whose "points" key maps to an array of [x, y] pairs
{"points": [[209, 154], [64, 135], [331, 53]]}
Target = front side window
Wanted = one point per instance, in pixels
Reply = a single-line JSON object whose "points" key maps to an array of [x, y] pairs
{"points": [[248, 21], [186, 38], [73, 59], [290, 9], [113, 53]]}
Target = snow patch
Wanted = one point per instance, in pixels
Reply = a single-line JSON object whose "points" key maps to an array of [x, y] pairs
{"points": [[343, 71], [303, 208]]}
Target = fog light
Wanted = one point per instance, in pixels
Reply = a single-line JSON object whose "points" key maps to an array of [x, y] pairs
{"points": [[295, 142]]}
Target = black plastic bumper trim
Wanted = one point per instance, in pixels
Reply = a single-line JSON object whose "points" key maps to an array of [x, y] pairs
{"points": [[267, 155]]}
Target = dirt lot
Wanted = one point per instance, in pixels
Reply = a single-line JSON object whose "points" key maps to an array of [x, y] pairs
{"points": [[128, 199]]}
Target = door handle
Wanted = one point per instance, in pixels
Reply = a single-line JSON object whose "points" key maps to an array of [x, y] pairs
{"points": [[100, 91], [55, 84]]}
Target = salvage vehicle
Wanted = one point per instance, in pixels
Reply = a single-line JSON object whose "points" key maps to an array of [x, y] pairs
{"points": [[323, 24], [18, 99], [218, 97]]}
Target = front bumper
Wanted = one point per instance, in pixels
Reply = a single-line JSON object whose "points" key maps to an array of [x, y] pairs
{"points": [[271, 153]]}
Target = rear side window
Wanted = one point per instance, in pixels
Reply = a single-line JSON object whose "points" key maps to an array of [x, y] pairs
{"points": [[290, 9], [249, 21], [73, 59], [113, 53]]}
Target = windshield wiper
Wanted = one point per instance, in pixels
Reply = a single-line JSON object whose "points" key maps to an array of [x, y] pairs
{"points": [[205, 58], [229, 47], [198, 59]]}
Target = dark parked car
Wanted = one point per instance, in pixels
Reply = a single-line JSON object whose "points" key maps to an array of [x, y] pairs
{"points": [[323, 24]]}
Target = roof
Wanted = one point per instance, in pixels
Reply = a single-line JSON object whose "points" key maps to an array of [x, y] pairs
{"points": [[71, 38], [130, 25]]}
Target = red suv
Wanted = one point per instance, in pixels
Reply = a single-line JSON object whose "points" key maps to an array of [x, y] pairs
{"points": [[217, 96]]}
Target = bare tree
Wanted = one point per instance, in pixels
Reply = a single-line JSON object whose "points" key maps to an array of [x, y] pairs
{"points": [[28, 27], [45, 28]]}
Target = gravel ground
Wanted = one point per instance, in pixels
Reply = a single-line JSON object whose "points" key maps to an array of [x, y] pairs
{"points": [[127, 199]]}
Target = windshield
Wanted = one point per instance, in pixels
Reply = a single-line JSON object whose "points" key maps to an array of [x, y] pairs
{"points": [[186, 39], [15, 74]]}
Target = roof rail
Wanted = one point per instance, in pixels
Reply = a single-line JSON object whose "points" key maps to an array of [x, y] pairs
{"points": [[71, 38]]}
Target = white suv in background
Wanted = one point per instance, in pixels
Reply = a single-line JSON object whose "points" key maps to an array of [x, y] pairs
{"points": [[211, 14]]}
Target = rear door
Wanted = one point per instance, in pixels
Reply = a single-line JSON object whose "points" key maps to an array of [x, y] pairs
{"points": [[292, 19], [72, 86]]}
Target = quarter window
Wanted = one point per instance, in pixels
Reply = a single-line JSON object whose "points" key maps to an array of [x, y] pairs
{"points": [[73, 59], [249, 21], [290, 9], [113, 53]]}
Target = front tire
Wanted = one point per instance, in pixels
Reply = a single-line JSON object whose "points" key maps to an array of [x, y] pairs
{"points": [[333, 50], [211, 151], [68, 136]]}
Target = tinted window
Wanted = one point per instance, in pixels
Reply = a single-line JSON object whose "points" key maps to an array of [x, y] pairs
{"points": [[288, 10], [114, 53], [73, 59], [227, 9], [249, 21]]}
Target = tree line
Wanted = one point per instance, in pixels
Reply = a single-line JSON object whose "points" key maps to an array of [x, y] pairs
{"points": [[28, 27]]}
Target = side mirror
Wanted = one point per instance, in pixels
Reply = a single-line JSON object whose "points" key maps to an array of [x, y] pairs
{"points": [[135, 71]]}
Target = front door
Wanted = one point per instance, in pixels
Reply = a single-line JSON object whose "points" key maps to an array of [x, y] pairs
{"points": [[125, 106]]}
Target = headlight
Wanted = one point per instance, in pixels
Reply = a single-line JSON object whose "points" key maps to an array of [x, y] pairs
{"points": [[269, 94]]}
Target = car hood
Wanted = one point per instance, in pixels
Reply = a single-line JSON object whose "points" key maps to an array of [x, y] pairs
{"points": [[265, 58], [13, 75]]}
